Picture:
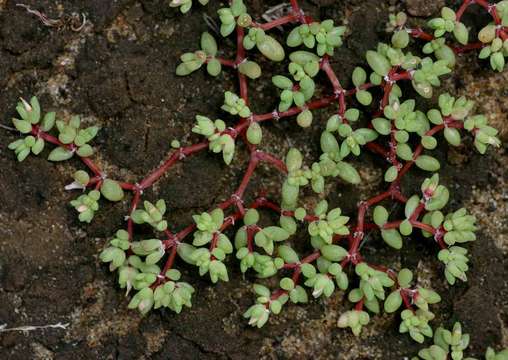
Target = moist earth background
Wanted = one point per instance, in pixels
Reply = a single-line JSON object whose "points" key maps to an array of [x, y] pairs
{"points": [[119, 72]]}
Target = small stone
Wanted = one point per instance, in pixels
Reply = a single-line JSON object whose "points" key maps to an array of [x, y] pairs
{"points": [[424, 8]]}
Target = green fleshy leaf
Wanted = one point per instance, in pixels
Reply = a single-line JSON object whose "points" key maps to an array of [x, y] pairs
{"points": [[112, 190], [60, 154]]}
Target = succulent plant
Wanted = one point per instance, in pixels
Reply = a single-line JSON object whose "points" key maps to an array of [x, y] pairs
{"points": [[397, 130]]}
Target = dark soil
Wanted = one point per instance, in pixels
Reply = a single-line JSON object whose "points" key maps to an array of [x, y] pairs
{"points": [[119, 72]]}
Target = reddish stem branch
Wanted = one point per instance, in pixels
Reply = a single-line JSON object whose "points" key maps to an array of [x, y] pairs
{"points": [[271, 159], [420, 34], [173, 158], [246, 177], [425, 227], [463, 8], [468, 47], [378, 149], [298, 11], [337, 87], [171, 260], [277, 22], [316, 104], [134, 205], [359, 305], [91, 165], [226, 62]]}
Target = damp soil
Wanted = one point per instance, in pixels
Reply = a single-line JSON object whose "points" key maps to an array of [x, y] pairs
{"points": [[118, 71]]}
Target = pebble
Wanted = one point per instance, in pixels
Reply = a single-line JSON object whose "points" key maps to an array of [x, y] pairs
{"points": [[424, 8]]}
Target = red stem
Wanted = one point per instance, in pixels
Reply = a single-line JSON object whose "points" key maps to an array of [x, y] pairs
{"points": [[271, 159], [337, 87], [134, 205], [170, 261], [246, 177], [173, 158], [316, 104], [359, 305], [420, 34], [462, 9], [277, 22], [468, 47], [225, 62]]}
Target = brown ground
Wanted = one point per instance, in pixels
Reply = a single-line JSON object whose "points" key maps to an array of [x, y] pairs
{"points": [[119, 72]]}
